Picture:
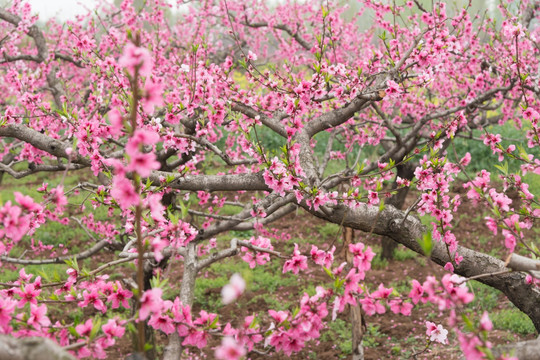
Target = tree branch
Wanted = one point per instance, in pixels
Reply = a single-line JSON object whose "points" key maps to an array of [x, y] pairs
{"points": [[273, 123], [43, 142], [61, 259], [388, 222], [233, 182]]}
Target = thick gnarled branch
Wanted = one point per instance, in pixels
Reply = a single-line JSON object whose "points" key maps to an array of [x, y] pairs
{"points": [[392, 223]]}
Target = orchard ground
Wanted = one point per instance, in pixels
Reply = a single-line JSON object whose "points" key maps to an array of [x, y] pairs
{"points": [[387, 336]]}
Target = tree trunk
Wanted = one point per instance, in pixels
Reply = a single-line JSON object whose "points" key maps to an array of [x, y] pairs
{"points": [[149, 268], [174, 349], [405, 171], [357, 321]]}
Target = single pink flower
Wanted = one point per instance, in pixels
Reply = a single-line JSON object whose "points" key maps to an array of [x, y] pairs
{"points": [[120, 297], [278, 316], [117, 122], [151, 302], [134, 57], [37, 316], [373, 198], [252, 56], [124, 192], [139, 138], [85, 329], [436, 332], [233, 289], [7, 308], [156, 207], [92, 297], [296, 263], [142, 163], [229, 349], [112, 329], [28, 294], [26, 202], [416, 292], [485, 322], [153, 96]]}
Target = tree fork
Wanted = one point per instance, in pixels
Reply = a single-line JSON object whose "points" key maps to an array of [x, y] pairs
{"points": [[404, 171]]}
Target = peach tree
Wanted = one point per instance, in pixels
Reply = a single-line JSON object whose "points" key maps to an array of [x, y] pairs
{"points": [[170, 110]]}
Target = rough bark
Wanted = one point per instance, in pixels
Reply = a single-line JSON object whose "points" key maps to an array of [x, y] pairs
{"points": [[528, 15], [524, 350], [405, 171], [6, 160], [31, 349], [149, 267], [174, 349], [42, 142]]}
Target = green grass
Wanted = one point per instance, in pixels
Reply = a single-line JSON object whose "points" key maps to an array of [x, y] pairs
{"points": [[210, 301], [328, 231], [401, 254], [512, 320], [426, 220], [72, 236], [403, 287], [534, 183], [372, 335], [378, 263], [485, 297], [339, 332], [54, 233], [229, 210], [271, 302], [265, 278], [482, 239], [48, 272], [421, 261]]}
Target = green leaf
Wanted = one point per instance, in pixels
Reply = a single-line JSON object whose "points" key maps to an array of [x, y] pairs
{"points": [[131, 327], [213, 325], [503, 168], [72, 263], [468, 323], [324, 12], [95, 328], [338, 283], [72, 331], [184, 209], [328, 272], [254, 323], [426, 243]]}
